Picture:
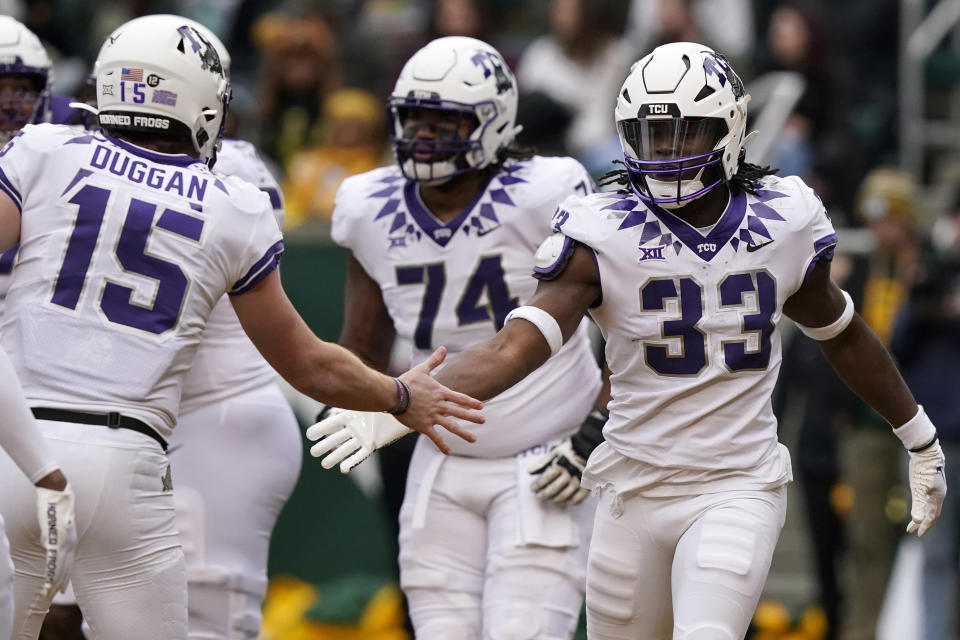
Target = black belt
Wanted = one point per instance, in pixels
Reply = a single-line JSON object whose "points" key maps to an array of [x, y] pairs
{"points": [[113, 420]]}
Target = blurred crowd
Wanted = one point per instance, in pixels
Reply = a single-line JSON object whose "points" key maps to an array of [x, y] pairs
{"points": [[311, 76], [310, 82]]}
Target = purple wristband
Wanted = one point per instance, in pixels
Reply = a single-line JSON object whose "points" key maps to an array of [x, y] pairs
{"points": [[403, 398]]}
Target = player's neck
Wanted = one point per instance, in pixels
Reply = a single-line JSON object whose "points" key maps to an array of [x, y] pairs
{"points": [[161, 145], [705, 211], [448, 200]]}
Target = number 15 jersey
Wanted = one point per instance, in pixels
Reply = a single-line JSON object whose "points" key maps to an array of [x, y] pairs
{"points": [[454, 283], [123, 254], [690, 317]]}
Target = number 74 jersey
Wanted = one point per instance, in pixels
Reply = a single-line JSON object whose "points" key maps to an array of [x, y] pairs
{"points": [[690, 317], [454, 283]]}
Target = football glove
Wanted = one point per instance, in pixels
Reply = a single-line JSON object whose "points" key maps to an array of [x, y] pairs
{"points": [[561, 469], [58, 534], [348, 438], [928, 487]]}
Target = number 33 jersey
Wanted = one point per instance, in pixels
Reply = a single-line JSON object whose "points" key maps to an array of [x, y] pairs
{"points": [[123, 254], [690, 317], [453, 284]]}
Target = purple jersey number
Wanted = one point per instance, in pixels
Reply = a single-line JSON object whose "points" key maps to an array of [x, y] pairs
{"points": [[131, 252], [488, 276], [692, 359]]}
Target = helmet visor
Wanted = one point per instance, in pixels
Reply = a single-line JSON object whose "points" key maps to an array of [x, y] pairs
{"points": [[671, 141]]}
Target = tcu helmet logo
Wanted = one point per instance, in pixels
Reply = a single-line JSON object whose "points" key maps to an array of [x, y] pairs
{"points": [[659, 109], [716, 64], [491, 63], [209, 59]]}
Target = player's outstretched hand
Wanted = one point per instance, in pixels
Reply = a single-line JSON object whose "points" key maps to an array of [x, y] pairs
{"points": [[431, 404], [58, 535], [348, 438], [928, 487]]}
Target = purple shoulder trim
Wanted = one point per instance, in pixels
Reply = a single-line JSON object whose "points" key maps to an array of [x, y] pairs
{"points": [[11, 191], [823, 249], [260, 270]]}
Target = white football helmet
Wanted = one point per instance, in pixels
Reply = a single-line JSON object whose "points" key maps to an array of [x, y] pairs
{"points": [[22, 54], [455, 75], [157, 72], [204, 31], [681, 115]]}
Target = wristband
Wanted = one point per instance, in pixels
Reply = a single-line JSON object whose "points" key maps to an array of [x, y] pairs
{"points": [[403, 398], [918, 433]]}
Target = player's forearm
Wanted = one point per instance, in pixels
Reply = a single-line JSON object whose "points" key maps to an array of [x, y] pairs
{"points": [[867, 368], [19, 435], [337, 377], [492, 367]]}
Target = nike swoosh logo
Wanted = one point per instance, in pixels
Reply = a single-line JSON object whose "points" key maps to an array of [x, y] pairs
{"points": [[486, 231], [754, 247]]}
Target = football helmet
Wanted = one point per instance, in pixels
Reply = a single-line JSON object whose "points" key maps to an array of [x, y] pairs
{"points": [[454, 108], [160, 70], [21, 54], [681, 115], [204, 31]]}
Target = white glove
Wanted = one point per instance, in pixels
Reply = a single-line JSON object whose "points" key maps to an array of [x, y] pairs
{"points": [[58, 533], [356, 434], [928, 486], [560, 471]]}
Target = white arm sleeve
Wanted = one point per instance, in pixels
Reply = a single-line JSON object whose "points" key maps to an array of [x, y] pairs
{"points": [[19, 435]]}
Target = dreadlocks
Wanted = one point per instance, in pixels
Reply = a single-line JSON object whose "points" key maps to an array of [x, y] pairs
{"points": [[746, 179]]}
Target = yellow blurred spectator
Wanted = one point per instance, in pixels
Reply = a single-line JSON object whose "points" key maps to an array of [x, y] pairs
{"points": [[353, 135], [301, 67]]}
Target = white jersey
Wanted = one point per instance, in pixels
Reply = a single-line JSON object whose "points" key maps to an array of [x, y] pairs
{"points": [[691, 321], [453, 284], [227, 363], [123, 254]]}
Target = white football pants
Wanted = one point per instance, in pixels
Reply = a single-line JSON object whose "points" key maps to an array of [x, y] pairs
{"points": [[680, 568], [129, 573], [235, 463], [479, 558]]}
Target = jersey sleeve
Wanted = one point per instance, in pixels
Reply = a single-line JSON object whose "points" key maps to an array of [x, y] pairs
{"points": [[576, 221], [18, 161], [259, 249], [823, 237]]}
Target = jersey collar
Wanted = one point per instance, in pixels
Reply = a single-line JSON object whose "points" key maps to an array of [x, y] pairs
{"points": [[706, 247], [439, 232]]}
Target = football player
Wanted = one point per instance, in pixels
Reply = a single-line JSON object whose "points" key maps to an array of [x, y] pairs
{"points": [[26, 80], [128, 240], [688, 270], [441, 247]]}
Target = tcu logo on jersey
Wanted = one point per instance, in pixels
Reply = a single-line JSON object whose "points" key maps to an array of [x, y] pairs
{"points": [[706, 247], [652, 253], [442, 234]]}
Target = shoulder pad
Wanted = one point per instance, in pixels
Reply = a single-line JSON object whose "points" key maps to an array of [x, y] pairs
{"points": [[552, 256]]}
